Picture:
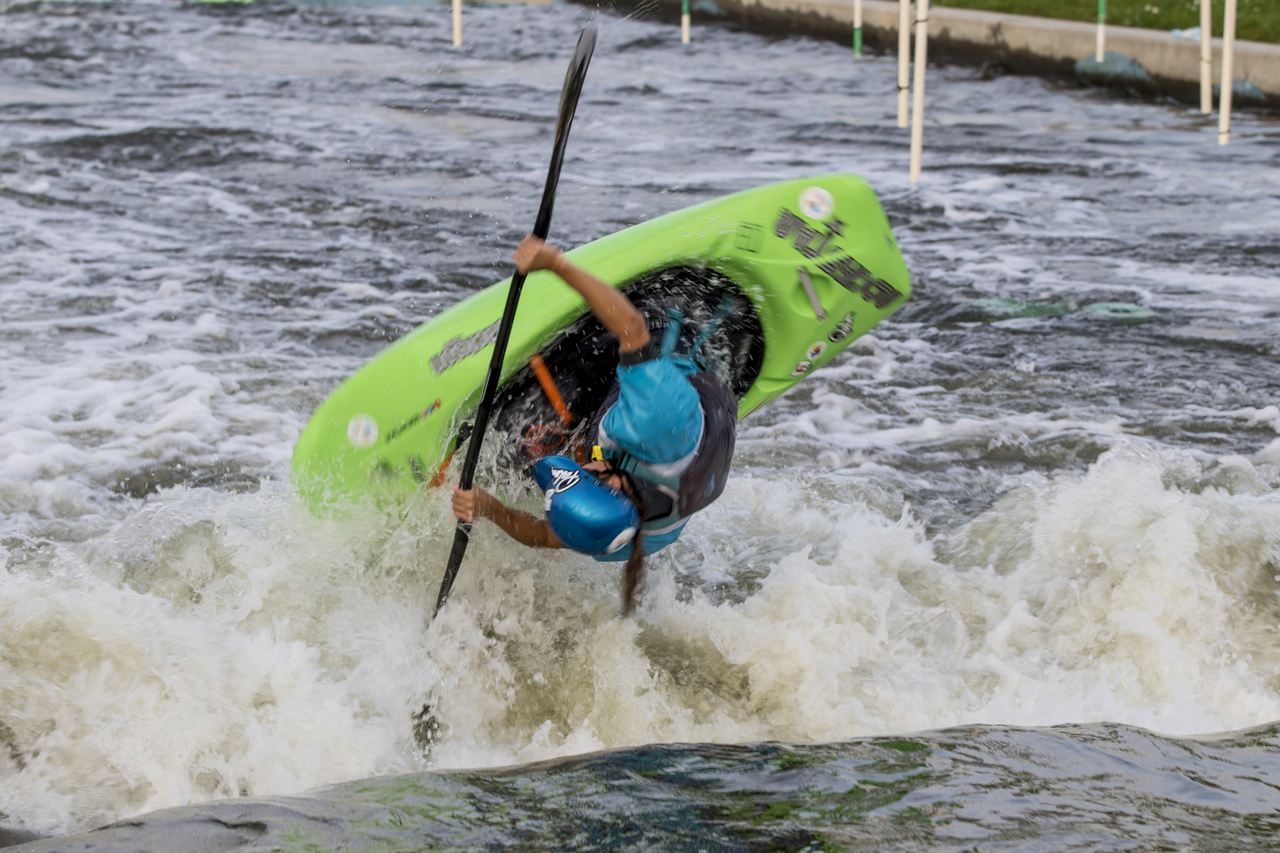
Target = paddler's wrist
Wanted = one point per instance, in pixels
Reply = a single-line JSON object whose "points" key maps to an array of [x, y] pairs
{"points": [[558, 263], [484, 503]]}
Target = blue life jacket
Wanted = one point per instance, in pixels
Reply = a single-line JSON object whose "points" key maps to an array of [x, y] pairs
{"points": [[671, 492]]}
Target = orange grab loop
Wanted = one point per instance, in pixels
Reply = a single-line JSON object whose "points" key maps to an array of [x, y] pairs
{"points": [[549, 388], [438, 480]]}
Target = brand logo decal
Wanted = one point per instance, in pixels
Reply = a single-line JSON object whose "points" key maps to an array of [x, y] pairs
{"points": [[840, 332], [749, 237], [815, 242], [859, 281], [417, 416], [362, 431], [562, 480], [459, 348], [810, 242]]}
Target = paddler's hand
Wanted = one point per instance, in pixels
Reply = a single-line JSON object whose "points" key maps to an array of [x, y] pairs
{"points": [[534, 254], [470, 504], [464, 504]]}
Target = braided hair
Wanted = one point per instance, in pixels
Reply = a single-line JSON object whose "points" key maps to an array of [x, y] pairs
{"points": [[633, 574]]}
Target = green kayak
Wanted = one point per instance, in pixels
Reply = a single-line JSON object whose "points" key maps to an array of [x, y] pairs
{"points": [[797, 270]]}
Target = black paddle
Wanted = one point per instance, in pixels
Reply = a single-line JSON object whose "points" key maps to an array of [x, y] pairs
{"points": [[568, 105]]}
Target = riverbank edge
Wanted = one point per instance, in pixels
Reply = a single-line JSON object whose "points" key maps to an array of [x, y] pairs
{"points": [[999, 42]]}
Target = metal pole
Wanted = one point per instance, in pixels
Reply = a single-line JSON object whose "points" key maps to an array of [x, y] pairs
{"points": [[1100, 52], [457, 23], [684, 21], [857, 28], [1228, 50], [917, 94], [1206, 57], [904, 59]]}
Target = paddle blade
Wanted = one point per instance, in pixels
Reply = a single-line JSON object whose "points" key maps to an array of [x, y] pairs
{"points": [[573, 79]]}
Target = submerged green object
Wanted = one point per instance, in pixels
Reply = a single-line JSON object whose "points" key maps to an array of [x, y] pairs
{"points": [[808, 265]]}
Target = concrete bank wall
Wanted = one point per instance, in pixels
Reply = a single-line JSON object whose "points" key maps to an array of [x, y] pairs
{"points": [[1017, 42]]}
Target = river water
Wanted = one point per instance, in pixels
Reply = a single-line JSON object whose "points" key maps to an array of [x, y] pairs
{"points": [[1004, 575]]}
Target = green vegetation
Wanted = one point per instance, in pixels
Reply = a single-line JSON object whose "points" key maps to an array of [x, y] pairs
{"points": [[1256, 20]]}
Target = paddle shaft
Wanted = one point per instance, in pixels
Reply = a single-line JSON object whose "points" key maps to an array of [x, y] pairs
{"points": [[542, 226]]}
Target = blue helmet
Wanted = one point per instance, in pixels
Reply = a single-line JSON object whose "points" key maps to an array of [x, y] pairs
{"points": [[586, 514]]}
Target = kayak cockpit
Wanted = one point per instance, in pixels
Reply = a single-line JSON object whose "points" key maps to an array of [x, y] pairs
{"points": [[581, 360]]}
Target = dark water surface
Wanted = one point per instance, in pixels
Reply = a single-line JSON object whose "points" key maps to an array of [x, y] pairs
{"points": [[1043, 495], [1070, 788]]}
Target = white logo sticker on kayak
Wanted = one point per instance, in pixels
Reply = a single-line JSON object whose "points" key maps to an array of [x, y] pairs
{"points": [[362, 431], [801, 368], [816, 349], [817, 203]]}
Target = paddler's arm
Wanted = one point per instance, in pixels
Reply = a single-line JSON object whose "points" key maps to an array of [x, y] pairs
{"points": [[470, 504], [610, 305]]}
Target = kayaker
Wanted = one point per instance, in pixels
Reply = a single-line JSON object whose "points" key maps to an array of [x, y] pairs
{"points": [[664, 443]]}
